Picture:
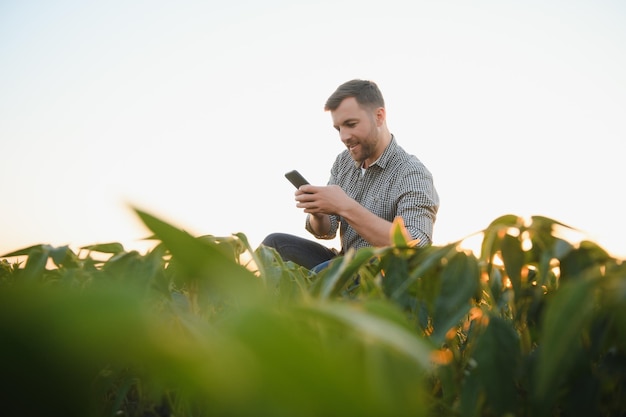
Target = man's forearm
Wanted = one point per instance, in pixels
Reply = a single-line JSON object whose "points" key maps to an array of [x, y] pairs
{"points": [[374, 229]]}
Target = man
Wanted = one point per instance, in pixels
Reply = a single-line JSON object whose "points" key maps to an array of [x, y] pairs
{"points": [[372, 182]]}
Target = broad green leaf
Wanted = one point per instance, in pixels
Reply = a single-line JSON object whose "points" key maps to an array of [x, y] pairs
{"points": [[566, 320], [491, 235], [575, 263], [113, 248], [396, 272], [202, 260], [508, 220], [547, 223], [230, 245], [396, 336], [64, 256], [133, 268], [459, 284], [36, 264], [27, 251], [471, 396], [497, 355], [341, 270], [513, 258], [434, 257]]}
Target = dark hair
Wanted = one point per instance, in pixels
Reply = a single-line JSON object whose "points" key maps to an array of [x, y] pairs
{"points": [[365, 92]]}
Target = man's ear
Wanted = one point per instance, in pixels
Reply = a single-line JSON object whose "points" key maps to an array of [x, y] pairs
{"points": [[381, 116]]}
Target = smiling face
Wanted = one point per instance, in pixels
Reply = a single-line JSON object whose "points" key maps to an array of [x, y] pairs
{"points": [[362, 130]]}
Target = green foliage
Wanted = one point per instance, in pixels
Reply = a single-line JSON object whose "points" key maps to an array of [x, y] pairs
{"points": [[201, 326]]}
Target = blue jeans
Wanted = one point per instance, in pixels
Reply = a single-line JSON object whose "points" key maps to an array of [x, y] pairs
{"points": [[304, 252]]}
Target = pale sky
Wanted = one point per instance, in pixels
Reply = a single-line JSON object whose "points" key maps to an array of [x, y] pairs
{"points": [[194, 110]]}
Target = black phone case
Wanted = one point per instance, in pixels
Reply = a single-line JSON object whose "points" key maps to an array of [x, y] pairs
{"points": [[296, 178]]}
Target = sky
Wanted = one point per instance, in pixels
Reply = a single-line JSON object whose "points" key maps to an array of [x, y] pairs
{"points": [[194, 110]]}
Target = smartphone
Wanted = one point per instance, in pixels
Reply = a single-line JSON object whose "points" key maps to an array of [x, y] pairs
{"points": [[296, 178]]}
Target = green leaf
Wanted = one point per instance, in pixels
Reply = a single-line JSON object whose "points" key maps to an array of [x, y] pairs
{"points": [[471, 396], [375, 324], [433, 257], [507, 220], [497, 354], [575, 263], [36, 263], [492, 233], [64, 256], [113, 248], [341, 271], [513, 258], [546, 223], [204, 261], [566, 319], [459, 284], [27, 251], [396, 272]]}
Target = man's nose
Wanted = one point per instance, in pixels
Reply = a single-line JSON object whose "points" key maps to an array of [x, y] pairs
{"points": [[344, 135]]}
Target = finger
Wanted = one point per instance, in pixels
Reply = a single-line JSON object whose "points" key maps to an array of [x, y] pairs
{"points": [[305, 197]]}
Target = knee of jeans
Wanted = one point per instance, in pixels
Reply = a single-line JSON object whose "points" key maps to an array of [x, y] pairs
{"points": [[272, 240], [321, 267]]}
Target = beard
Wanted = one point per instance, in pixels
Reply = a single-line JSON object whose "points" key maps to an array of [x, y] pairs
{"points": [[366, 147]]}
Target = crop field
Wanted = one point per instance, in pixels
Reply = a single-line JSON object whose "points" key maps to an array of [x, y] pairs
{"points": [[533, 325]]}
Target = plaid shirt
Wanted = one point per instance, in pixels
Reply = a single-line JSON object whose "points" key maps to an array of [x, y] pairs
{"points": [[397, 184]]}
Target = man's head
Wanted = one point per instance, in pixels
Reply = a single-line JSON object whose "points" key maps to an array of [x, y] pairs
{"points": [[365, 92], [358, 113]]}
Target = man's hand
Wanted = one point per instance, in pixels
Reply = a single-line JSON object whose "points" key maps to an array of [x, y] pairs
{"points": [[322, 201], [318, 200]]}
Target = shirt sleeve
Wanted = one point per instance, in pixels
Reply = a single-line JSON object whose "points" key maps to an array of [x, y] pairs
{"points": [[417, 205], [334, 225]]}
